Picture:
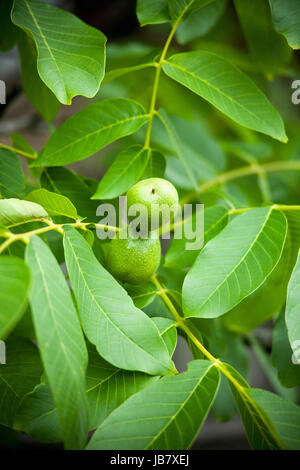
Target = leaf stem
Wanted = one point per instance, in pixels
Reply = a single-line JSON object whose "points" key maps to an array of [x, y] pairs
{"points": [[19, 152], [24, 237], [152, 110]]}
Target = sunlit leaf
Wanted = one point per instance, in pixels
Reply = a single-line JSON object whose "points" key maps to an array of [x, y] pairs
{"points": [[234, 263], [71, 54], [230, 91], [91, 129]]}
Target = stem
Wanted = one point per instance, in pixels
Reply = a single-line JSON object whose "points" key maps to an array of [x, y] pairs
{"points": [[244, 171], [24, 237], [247, 399], [19, 152], [152, 110]]}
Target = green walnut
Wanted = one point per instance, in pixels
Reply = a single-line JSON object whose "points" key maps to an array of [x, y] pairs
{"points": [[133, 260], [153, 193]]}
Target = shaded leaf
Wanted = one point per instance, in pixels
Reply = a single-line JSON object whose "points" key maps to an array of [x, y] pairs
{"points": [[7, 28], [200, 22], [215, 219], [12, 178], [67, 183], [60, 341], [268, 48], [152, 11], [16, 211], [124, 172], [156, 166], [286, 18], [292, 313], [34, 88], [54, 204], [181, 9]]}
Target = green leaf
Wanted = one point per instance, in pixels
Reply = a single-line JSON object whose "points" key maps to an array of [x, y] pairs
{"points": [[198, 24], [19, 376], [125, 171], [181, 9], [14, 281], [166, 415], [54, 204], [285, 417], [288, 372], [90, 130], [168, 331], [263, 357], [234, 263], [292, 313], [60, 341], [177, 146], [259, 427], [142, 294], [215, 219], [269, 50], [234, 353], [67, 183], [7, 28], [266, 301], [286, 18], [152, 11], [16, 211], [106, 387], [37, 416], [141, 62], [12, 178], [200, 150], [123, 334], [70, 54], [20, 143], [228, 89], [34, 88], [156, 166]]}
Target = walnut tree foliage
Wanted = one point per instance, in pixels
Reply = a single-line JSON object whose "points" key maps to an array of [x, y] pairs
{"points": [[208, 107]]}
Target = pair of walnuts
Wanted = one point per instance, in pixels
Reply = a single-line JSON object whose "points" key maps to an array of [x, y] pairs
{"points": [[135, 260]]}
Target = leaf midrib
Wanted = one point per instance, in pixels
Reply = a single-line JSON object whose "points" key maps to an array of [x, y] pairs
{"points": [[107, 316], [239, 263], [181, 406], [256, 117], [87, 136]]}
